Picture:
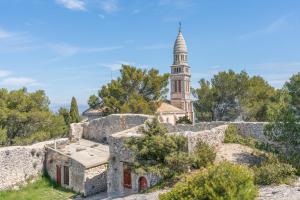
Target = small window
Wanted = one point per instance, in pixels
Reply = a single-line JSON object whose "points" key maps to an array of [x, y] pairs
{"points": [[179, 86]]}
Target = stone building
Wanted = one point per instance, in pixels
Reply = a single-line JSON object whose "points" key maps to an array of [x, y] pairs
{"points": [[80, 166], [169, 114], [122, 180]]}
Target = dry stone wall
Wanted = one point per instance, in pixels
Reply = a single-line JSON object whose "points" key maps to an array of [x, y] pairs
{"points": [[253, 129], [100, 129], [19, 164], [95, 180]]}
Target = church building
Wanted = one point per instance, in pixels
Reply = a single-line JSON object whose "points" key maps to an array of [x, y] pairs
{"points": [[181, 102]]}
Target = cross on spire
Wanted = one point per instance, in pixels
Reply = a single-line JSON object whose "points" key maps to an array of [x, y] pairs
{"points": [[179, 26]]}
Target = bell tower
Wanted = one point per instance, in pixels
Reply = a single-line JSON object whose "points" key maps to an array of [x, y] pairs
{"points": [[181, 77]]}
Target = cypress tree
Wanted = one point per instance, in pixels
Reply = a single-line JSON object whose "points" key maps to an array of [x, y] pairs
{"points": [[74, 113]]}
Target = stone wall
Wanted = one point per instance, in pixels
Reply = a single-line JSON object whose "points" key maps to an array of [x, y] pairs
{"points": [[95, 180], [213, 137], [253, 129], [100, 129], [21, 163], [76, 130]]}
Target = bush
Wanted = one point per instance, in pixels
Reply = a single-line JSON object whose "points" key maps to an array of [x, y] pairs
{"points": [[293, 159], [184, 120], [232, 136], [272, 171], [224, 181], [203, 155], [158, 152]]}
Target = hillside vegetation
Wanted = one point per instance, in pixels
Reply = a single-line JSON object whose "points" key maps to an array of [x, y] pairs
{"points": [[26, 118]]}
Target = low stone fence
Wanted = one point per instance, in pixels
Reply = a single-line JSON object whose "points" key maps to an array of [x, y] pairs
{"points": [[253, 129], [19, 164], [213, 137], [100, 129]]}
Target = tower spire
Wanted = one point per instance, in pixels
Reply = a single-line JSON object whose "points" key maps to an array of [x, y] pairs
{"points": [[179, 26]]}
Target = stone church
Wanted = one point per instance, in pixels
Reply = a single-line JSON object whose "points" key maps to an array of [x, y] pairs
{"points": [[180, 82], [181, 103]]}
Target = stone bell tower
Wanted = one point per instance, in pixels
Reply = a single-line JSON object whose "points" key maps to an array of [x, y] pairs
{"points": [[181, 77]]}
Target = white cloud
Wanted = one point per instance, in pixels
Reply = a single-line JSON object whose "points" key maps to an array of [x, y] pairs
{"points": [[116, 66], [19, 81], [72, 4], [136, 11], [109, 6], [5, 34], [101, 16], [69, 50], [177, 4], [16, 41], [4, 73], [155, 47], [276, 25]]}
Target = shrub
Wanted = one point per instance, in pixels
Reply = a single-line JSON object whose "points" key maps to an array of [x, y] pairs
{"points": [[272, 171], [158, 152], [232, 136], [293, 159], [203, 155], [224, 181], [184, 120]]}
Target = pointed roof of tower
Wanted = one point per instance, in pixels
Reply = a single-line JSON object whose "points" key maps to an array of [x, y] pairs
{"points": [[180, 45]]}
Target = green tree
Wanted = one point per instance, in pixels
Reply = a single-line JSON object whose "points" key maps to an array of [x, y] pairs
{"points": [[204, 106], [284, 126], [94, 101], [184, 120], [135, 91], [158, 152], [231, 95], [293, 88], [65, 114], [74, 113], [25, 118]]}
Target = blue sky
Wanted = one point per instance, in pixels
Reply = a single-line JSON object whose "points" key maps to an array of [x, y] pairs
{"points": [[72, 47]]}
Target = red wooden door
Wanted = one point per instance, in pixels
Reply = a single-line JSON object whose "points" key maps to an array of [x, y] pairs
{"points": [[127, 178], [143, 183], [58, 174]]}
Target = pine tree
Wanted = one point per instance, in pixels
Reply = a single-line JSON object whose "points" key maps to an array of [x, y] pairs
{"points": [[74, 113]]}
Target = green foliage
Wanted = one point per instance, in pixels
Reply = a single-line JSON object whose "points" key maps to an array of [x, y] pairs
{"points": [[272, 171], [203, 155], [65, 114], [285, 117], [26, 117], [158, 152], [74, 113], [232, 136], [135, 91], [293, 88], [224, 181], [204, 106], [42, 189], [229, 95], [184, 120], [94, 101]]}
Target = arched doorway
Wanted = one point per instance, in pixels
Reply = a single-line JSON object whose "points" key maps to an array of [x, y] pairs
{"points": [[143, 183]]}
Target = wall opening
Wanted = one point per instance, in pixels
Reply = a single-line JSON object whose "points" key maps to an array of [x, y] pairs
{"points": [[142, 183], [66, 175], [58, 174], [127, 178]]}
